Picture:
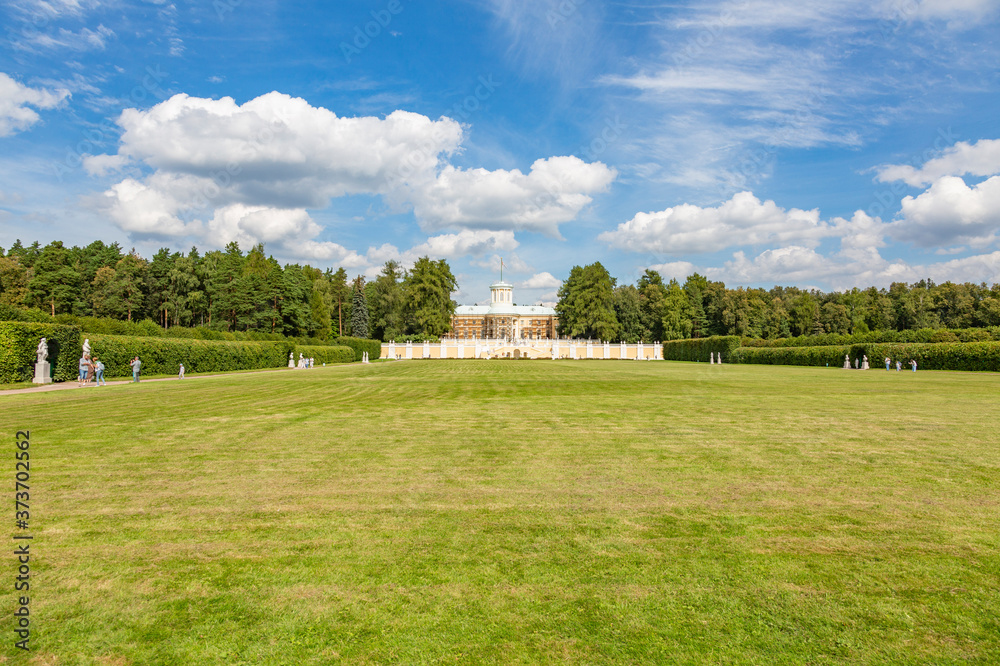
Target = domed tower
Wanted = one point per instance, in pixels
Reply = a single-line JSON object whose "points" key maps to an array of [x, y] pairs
{"points": [[501, 318]]}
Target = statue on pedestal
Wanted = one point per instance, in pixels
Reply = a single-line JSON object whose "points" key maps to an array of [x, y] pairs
{"points": [[86, 348], [43, 371]]}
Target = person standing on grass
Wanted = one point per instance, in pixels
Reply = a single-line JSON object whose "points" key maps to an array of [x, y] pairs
{"points": [[136, 365], [914, 364], [899, 365], [99, 372], [180, 375], [83, 371], [887, 363]]}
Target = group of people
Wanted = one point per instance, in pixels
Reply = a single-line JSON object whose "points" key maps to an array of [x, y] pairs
{"points": [[91, 370], [862, 363], [899, 364]]}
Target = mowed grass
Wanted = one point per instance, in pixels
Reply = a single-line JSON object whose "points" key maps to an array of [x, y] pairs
{"points": [[513, 512]]}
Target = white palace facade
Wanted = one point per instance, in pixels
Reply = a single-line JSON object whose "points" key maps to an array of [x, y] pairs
{"points": [[504, 330], [502, 319]]}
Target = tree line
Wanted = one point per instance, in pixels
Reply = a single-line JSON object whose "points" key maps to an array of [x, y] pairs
{"points": [[227, 290], [593, 305]]}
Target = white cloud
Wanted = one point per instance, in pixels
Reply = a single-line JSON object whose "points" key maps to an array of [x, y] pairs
{"points": [[15, 98], [466, 242], [743, 220], [979, 159], [677, 270], [85, 40], [281, 148], [958, 12], [101, 165], [277, 152], [553, 192], [511, 262], [950, 213], [804, 266], [541, 281], [145, 211]]}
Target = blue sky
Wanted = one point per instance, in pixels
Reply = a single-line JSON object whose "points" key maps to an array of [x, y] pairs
{"points": [[766, 142]]}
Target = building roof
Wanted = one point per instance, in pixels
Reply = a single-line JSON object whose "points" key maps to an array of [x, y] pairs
{"points": [[503, 308]]}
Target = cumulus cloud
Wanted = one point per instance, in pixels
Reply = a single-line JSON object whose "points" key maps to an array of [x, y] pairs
{"points": [[553, 192], [804, 266], [466, 242], [100, 165], [146, 211], [277, 147], [252, 170], [678, 270], [15, 98], [743, 220], [511, 262], [543, 280], [963, 159], [951, 212]]}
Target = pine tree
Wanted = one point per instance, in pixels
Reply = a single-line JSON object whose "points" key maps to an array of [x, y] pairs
{"points": [[359, 309]]}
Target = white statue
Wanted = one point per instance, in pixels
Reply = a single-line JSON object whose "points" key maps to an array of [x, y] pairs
{"points": [[864, 364], [86, 347], [711, 358], [720, 359], [847, 362], [43, 351]]}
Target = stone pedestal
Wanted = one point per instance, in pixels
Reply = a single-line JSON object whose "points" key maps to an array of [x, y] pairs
{"points": [[43, 373]]}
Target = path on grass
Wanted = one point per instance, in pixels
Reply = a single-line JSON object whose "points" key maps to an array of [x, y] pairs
{"points": [[64, 386]]}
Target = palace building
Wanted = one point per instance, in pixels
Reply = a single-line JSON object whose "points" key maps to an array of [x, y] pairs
{"points": [[502, 319]]}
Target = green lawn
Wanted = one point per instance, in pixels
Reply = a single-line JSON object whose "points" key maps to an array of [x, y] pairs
{"points": [[512, 512]]}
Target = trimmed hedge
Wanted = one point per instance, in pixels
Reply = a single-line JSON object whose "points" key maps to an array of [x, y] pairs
{"points": [[325, 354], [360, 346], [164, 355], [971, 356], [19, 347], [899, 337], [817, 356], [698, 349]]}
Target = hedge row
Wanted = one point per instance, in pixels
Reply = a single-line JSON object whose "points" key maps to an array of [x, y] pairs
{"points": [[164, 355], [19, 347], [699, 349], [821, 356], [360, 346], [325, 354], [973, 356], [909, 336]]}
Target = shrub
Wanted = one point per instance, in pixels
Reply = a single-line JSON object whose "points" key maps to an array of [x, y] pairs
{"points": [[973, 356], [10, 313], [698, 349], [164, 355], [19, 344], [832, 355], [326, 354], [361, 345]]}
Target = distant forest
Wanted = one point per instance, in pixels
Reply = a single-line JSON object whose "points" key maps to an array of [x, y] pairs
{"points": [[226, 290], [232, 291], [592, 305]]}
